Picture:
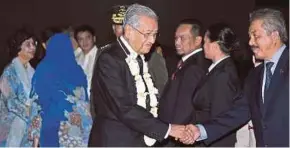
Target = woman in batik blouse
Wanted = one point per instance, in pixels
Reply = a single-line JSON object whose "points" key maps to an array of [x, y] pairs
{"points": [[60, 84], [16, 104]]}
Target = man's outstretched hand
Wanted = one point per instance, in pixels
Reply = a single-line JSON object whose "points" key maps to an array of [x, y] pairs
{"points": [[192, 133]]}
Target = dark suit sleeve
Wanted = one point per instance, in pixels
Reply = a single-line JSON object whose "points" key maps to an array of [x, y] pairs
{"points": [[223, 90], [229, 120], [92, 107], [122, 102]]}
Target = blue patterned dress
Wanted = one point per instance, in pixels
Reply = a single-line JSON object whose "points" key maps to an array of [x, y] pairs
{"points": [[16, 106], [67, 122], [60, 84]]}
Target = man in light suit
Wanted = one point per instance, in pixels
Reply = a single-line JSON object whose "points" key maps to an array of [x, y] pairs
{"points": [[265, 99]]}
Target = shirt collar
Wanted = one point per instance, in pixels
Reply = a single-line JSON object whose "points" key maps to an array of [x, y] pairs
{"points": [[92, 51], [78, 51], [275, 58], [131, 50], [192, 53], [217, 62]]}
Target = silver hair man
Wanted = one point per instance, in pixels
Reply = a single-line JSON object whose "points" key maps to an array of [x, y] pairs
{"points": [[140, 28], [133, 13], [272, 21]]}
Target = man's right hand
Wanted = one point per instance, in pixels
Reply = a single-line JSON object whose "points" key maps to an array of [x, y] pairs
{"points": [[193, 131], [177, 131], [180, 132]]}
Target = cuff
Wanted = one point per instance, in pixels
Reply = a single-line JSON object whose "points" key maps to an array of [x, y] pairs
{"points": [[167, 133], [203, 134]]}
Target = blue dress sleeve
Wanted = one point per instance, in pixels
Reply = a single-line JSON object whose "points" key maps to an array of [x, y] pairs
{"points": [[14, 95]]}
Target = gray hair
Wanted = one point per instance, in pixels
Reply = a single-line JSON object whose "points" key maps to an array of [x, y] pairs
{"points": [[272, 21], [133, 13]]}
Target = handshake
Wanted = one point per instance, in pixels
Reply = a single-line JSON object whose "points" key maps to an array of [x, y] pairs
{"points": [[187, 134]]}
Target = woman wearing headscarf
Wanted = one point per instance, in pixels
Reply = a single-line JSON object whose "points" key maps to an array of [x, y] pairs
{"points": [[60, 84], [16, 105]]}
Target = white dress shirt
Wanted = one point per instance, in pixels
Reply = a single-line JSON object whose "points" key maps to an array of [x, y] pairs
{"points": [[192, 53], [86, 61]]}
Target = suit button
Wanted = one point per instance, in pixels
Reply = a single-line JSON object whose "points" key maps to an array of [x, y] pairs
{"points": [[266, 145]]}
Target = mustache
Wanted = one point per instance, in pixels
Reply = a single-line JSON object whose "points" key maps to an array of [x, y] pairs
{"points": [[148, 44], [252, 47]]}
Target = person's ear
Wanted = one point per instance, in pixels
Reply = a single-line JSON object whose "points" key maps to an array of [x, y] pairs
{"points": [[43, 45], [95, 39], [127, 30], [198, 40]]}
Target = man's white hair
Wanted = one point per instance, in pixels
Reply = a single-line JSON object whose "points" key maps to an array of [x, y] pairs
{"points": [[133, 13]]}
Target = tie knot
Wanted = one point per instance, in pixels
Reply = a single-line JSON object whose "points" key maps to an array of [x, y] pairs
{"points": [[139, 57], [140, 63], [269, 65], [179, 64]]}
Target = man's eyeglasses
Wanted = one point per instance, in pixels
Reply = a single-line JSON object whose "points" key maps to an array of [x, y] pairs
{"points": [[147, 35]]}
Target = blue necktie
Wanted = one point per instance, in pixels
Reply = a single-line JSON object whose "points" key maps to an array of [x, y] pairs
{"points": [[268, 75]]}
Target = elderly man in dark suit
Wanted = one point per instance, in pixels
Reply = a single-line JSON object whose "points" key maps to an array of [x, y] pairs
{"points": [[265, 99], [125, 97]]}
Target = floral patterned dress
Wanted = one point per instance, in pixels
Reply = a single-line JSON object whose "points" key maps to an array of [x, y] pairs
{"points": [[16, 106], [74, 132], [74, 129]]}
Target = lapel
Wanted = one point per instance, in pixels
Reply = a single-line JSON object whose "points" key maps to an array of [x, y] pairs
{"points": [[99, 51], [216, 69], [278, 78], [179, 71], [123, 47], [257, 87], [192, 60], [218, 66], [189, 61], [96, 57]]}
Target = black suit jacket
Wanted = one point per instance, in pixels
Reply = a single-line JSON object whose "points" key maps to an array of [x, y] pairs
{"points": [[216, 96], [270, 119], [92, 107], [119, 120], [176, 100]]}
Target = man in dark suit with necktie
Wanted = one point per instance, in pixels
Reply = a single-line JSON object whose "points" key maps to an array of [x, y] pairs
{"points": [[125, 99], [176, 100], [265, 99]]}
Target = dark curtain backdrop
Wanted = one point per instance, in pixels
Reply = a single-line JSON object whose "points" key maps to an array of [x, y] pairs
{"points": [[39, 14]]}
